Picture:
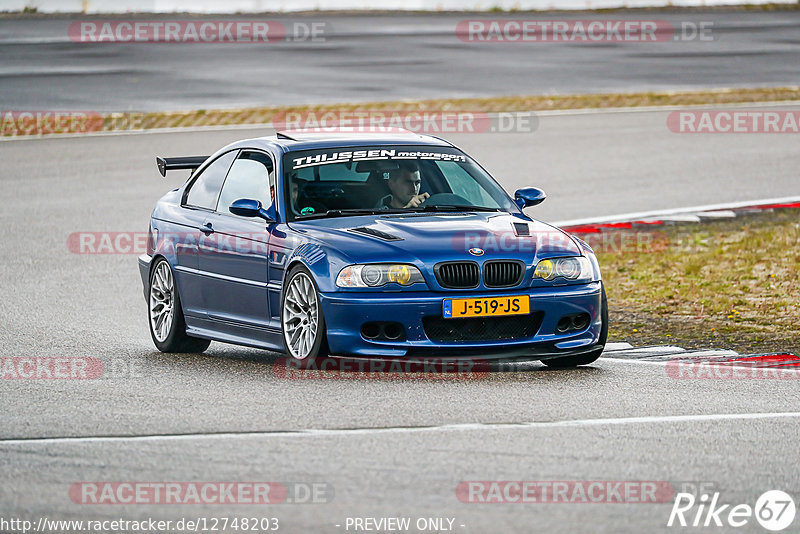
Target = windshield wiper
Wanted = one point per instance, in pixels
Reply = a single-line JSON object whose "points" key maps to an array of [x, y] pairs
{"points": [[454, 207], [392, 211], [348, 212]]}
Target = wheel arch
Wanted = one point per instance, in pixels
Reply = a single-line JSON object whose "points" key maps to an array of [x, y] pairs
{"points": [[175, 278], [295, 262], [153, 262]]}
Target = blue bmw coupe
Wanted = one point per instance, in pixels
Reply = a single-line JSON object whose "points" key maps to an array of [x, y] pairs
{"points": [[392, 245]]}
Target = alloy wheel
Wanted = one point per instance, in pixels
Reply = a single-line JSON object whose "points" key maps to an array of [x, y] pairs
{"points": [[300, 316]]}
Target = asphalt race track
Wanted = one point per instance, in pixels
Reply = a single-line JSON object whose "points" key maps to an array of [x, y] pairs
{"points": [[378, 447], [374, 57]]}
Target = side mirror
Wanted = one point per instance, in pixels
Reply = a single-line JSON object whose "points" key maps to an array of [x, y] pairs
{"points": [[529, 196], [246, 207]]}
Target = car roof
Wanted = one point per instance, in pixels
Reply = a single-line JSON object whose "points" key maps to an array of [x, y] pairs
{"points": [[291, 140]]}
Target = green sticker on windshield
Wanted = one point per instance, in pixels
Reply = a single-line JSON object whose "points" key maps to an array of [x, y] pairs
{"points": [[307, 210]]}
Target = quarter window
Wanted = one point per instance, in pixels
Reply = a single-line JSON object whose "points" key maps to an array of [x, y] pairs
{"points": [[204, 190]]}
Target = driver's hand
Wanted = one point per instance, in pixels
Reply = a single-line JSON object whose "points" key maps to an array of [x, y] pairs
{"points": [[417, 200]]}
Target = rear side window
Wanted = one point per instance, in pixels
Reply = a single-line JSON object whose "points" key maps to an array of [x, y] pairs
{"points": [[204, 190], [252, 176]]}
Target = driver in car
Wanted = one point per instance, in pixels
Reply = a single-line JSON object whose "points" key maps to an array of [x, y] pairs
{"points": [[404, 184]]}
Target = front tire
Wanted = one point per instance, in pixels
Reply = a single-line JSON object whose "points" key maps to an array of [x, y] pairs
{"points": [[302, 321], [591, 357], [165, 316]]}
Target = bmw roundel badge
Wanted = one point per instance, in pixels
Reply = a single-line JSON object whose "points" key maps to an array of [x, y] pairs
{"points": [[475, 251]]}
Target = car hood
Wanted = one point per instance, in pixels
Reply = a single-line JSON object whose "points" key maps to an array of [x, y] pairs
{"points": [[436, 237]]}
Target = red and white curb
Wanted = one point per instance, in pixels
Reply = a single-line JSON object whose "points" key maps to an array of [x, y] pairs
{"points": [[629, 221], [663, 354]]}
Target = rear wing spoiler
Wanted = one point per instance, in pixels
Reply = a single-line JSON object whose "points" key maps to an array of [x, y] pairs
{"points": [[176, 164]]}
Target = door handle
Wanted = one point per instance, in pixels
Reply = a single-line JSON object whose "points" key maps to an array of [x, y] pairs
{"points": [[207, 228]]}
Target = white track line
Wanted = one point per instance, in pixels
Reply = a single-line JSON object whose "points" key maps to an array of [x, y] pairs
{"points": [[632, 360], [618, 346], [648, 109], [394, 430]]}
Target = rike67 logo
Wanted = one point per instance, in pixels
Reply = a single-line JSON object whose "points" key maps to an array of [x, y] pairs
{"points": [[774, 510]]}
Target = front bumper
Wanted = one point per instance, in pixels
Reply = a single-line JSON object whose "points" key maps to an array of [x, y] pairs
{"points": [[346, 312]]}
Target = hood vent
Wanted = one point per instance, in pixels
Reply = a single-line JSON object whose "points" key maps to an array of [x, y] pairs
{"points": [[372, 232], [522, 229]]}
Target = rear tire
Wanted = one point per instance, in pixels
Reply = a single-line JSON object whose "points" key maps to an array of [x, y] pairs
{"points": [[591, 357], [165, 316]]}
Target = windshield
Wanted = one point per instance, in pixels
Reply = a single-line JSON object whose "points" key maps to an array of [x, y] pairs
{"points": [[362, 180]]}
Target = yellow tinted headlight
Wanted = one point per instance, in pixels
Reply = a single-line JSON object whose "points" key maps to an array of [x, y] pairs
{"points": [[571, 268], [545, 269], [400, 274]]}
